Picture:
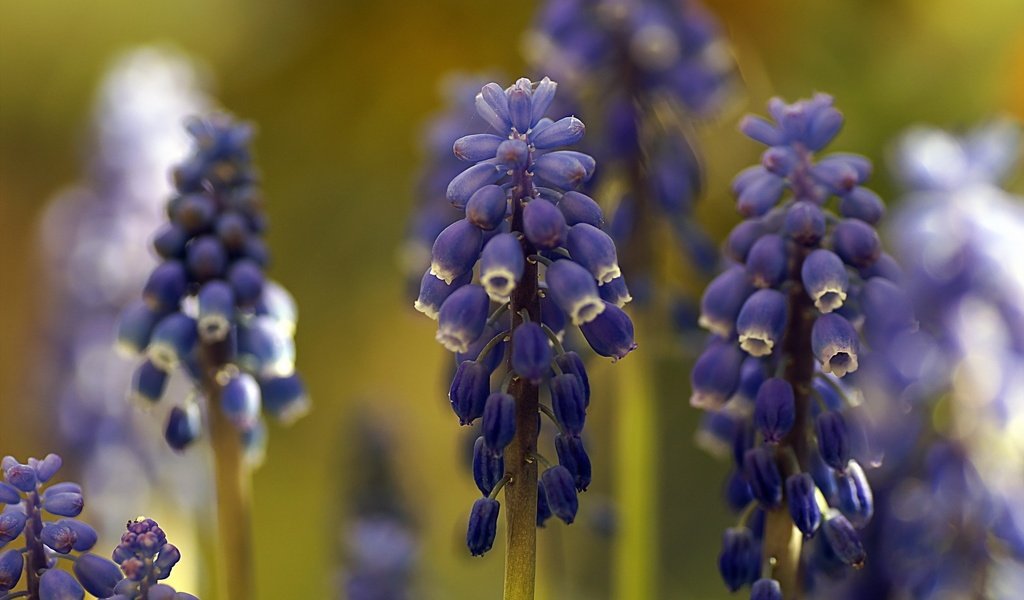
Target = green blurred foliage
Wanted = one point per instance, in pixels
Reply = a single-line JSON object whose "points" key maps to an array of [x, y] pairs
{"points": [[339, 91]]}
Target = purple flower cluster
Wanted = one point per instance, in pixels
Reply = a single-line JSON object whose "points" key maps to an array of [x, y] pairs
{"points": [[146, 558], [541, 256], [208, 307], [807, 292]]}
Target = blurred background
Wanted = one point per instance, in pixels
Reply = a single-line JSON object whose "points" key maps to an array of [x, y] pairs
{"points": [[341, 93]]}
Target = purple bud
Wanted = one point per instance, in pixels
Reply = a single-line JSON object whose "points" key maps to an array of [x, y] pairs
{"points": [[501, 266], [723, 299], [216, 311], [761, 130], [493, 358], [739, 561], [48, 467], [488, 466], [531, 352], [170, 241], [68, 504], [861, 203], [803, 506], [780, 160], [552, 316], [715, 375], [483, 525], [148, 383], [763, 475], [135, 327], [59, 585], [240, 400], [193, 213], [616, 292], [21, 476], [543, 94], [574, 290], [206, 258], [568, 400], [766, 261], [854, 494], [595, 251], [469, 390], [580, 208], [166, 286], [519, 104], [835, 344], [173, 339], [560, 489], [492, 105], [433, 292], [737, 491], [804, 223], [573, 456], [469, 181], [183, 425], [62, 488], [760, 194], [11, 564], [563, 132], [570, 362], [85, 535], [161, 591], [774, 409], [246, 279], [477, 147], [563, 169], [844, 541], [455, 250], [168, 556], [499, 421], [487, 207], [825, 279], [512, 154], [462, 317], [886, 266], [833, 439], [610, 333], [60, 538], [543, 224], [233, 231], [766, 589], [12, 523], [761, 321], [97, 574], [856, 243], [9, 494], [742, 238], [822, 128], [543, 510]]}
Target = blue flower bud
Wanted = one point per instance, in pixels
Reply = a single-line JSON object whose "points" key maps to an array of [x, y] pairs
{"points": [[487, 207], [531, 352], [742, 440], [206, 258], [12, 523], [166, 286], [568, 400], [11, 564], [825, 279], [560, 488], [499, 421], [573, 456], [135, 327], [564, 169], [433, 292], [854, 494], [97, 575], [552, 316], [21, 476], [570, 362], [766, 261], [856, 243], [837, 174], [824, 124], [483, 525], [63, 488], [835, 344], [715, 375], [580, 208], [803, 507], [573, 289], [761, 130], [595, 251], [240, 400], [501, 266], [246, 279], [761, 321], [466, 183], [85, 536], [833, 439], [492, 105], [193, 213], [610, 333], [67, 504], [843, 540], [9, 494], [563, 132], [519, 104], [775, 409], [48, 467], [543, 224], [183, 426], [168, 556], [216, 311], [60, 538], [886, 266], [763, 476], [760, 194], [739, 562], [861, 203], [493, 358], [233, 230], [766, 589], [455, 250], [264, 348], [543, 94], [543, 510], [55, 584], [488, 466], [722, 300], [615, 292], [170, 241], [804, 223], [469, 390], [462, 317], [148, 383], [512, 154], [742, 238], [285, 398], [780, 160], [477, 147], [737, 491]]}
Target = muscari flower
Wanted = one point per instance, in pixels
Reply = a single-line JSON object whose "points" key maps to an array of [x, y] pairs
{"points": [[805, 286], [542, 257]]}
